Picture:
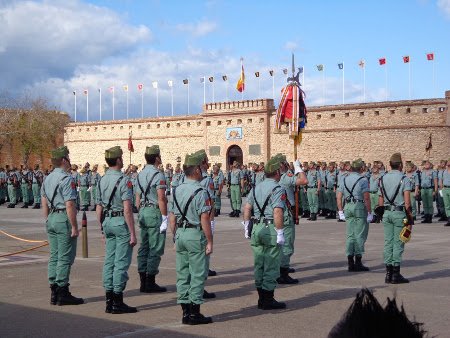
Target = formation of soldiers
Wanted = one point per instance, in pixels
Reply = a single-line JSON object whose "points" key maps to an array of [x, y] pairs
{"points": [[187, 199]]}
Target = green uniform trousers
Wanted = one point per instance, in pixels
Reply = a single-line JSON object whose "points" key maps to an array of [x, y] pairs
{"points": [[236, 199], [118, 254], [85, 197], [331, 200], [322, 199], [25, 195], [440, 203], [304, 200], [313, 200], [427, 200], [12, 193], [2, 193], [36, 193], [357, 228], [63, 248], [152, 241], [373, 200], [266, 255], [412, 197], [217, 200], [190, 244], [446, 198], [287, 250], [393, 246], [94, 193]]}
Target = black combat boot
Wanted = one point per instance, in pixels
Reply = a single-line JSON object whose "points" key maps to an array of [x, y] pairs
{"points": [[306, 214], [260, 298], [359, 265], [351, 264], [196, 318], [118, 306], [238, 212], [331, 215], [208, 295], [448, 222], [397, 278], [427, 219], [135, 210], [94, 208], [37, 206], [24, 206], [291, 270], [64, 297], [442, 218], [388, 278], [186, 313], [313, 217], [142, 278], [109, 301], [216, 212], [151, 286], [212, 273], [53, 295], [232, 214], [11, 205], [285, 278], [269, 302]]}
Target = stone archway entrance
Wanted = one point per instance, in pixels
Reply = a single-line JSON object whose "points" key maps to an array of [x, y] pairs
{"points": [[234, 153]]}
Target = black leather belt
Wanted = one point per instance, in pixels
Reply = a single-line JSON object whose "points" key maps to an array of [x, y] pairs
{"points": [[57, 210], [190, 226], [265, 221], [148, 204], [373, 192], [426, 188], [353, 200], [446, 186], [394, 208], [115, 213], [312, 187]]}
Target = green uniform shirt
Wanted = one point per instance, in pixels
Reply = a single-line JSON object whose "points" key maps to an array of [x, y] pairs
{"points": [[445, 178], [276, 200], [389, 185], [83, 180], [199, 204], [313, 177], [66, 189], [207, 183], [348, 182], [260, 176], [329, 181], [414, 179], [287, 181], [95, 177], [106, 185], [236, 176], [176, 179], [150, 172], [427, 178], [373, 182]]}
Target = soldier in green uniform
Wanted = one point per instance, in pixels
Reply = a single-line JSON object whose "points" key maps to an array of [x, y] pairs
{"points": [[323, 202], [189, 221], [314, 185], [83, 184], [218, 186], [13, 184], [373, 187], [25, 185], [355, 191], [289, 181], [414, 181], [445, 188], [439, 198], [395, 197], [237, 186], [176, 176], [3, 185], [330, 185], [75, 176], [58, 203], [37, 179], [268, 202], [304, 195], [428, 190], [93, 182], [152, 204], [260, 174], [115, 216]]}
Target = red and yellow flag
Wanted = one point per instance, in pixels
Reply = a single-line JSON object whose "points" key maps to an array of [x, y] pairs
{"points": [[240, 85]]}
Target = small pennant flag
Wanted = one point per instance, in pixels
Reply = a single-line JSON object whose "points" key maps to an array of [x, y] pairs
{"points": [[155, 84], [86, 92], [319, 68], [382, 61], [211, 78], [341, 65], [202, 79], [300, 70], [285, 71], [430, 56], [125, 87], [257, 74], [185, 81], [170, 83], [74, 92], [362, 63], [140, 86], [271, 72], [224, 78], [111, 89], [406, 59]]}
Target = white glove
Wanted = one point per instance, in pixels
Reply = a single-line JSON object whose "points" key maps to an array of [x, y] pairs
{"points": [[280, 236], [440, 193], [341, 215], [245, 224], [369, 217], [163, 226], [89, 189], [297, 167], [213, 225]]}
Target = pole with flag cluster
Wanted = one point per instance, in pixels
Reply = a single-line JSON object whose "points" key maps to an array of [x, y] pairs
{"points": [[259, 84], [430, 57], [140, 87], [186, 82], [86, 92], [362, 64], [111, 89], [382, 62], [321, 68], [75, 106], [100, 102], [273, 83], [170, 84], [225, 79], [211, 80], [341, 67]]}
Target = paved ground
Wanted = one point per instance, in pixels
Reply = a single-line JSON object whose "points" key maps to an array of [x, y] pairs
{"points": [[325, 291]]}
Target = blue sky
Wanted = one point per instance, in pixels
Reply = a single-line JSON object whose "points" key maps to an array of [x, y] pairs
{"points": [[51, 48]]}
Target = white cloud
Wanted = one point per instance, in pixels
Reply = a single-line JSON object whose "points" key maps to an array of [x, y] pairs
{"points": [[197, 29], [291, 45], [444, 6]]}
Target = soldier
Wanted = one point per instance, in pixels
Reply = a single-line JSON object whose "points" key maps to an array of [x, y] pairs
{"points": [[190, 223], [168, 173], [13, 185], [322, 172], [58, 203], [414, 181], [3, 185], [314, 186], [260, 174], [236, 186], [132, 174], [93, 182], [268, 201], [373, 190], [177, 176], [439, 199], [83, 184], [445, 188], [37, 179], [343, 172], [395, 198], [355, 190], [218, 186], [330, 185], [152, 204], [428, 190], [303, 194], [115, 216], [25, 185], [289, 181], [75, 176]]}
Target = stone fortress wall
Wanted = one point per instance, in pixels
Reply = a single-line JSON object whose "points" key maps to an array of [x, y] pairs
{"points": [[372, 131]]}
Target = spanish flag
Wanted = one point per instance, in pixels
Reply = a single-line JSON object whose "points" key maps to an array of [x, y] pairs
{"points": [[240, 85]]}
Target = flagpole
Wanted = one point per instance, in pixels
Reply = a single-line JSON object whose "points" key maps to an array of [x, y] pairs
{"points": [[127, 107], [171, 97], [434, 79], [243, 88], [100, 105], [259, 87], [273, 87], [364, 81], [157, 102], [386, 80], [87, 107], [142, 102], [188, 94], [75, 100], [204, 90], [343, 82], [226, 89], [409, 78], [214, 99], [114, 90], [323, 86]]}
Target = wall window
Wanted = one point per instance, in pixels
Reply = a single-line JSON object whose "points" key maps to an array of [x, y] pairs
{"points": [[347, 114], [261, 120], [249, 120], [392, 111], [254, 149], [361, 113], [219, 123], [318, 116], [332, 116], [208, 123], [376, 113], [424, 110]]}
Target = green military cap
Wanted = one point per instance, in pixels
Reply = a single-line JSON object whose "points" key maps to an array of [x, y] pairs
{"points": [[324, 163], [153, 150], [272, 165], [357, 164], [409, 164], [113, 152], [332, 163], [281, 157], [312, 163], [192, 159], [201, 154], [59, 152], [396, 158]]}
